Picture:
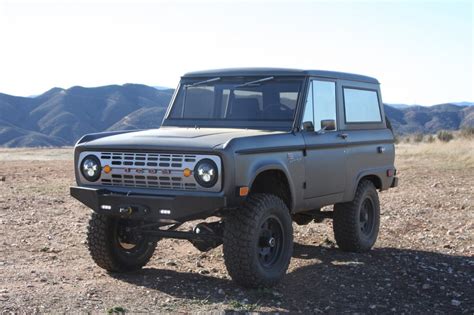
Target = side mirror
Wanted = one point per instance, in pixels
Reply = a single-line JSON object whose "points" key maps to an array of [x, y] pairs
{"points": [[308, 126], [328, 124]]}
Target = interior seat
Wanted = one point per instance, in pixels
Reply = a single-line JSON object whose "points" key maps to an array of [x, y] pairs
{"points": [[244, 108]]}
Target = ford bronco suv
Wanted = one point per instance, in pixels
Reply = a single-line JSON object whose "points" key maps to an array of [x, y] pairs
{"points": [[247, 151]]}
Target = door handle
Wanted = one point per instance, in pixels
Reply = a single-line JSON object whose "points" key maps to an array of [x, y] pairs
{"points": [[343, 135]]}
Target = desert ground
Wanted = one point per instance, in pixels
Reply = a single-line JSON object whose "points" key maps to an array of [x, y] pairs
{"points": [[423, 261]]}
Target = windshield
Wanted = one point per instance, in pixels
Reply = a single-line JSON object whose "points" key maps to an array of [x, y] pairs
{"points": [[237, 102]]}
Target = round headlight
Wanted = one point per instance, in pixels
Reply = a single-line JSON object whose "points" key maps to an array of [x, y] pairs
{"points": [[90, 168], [206, 173]]}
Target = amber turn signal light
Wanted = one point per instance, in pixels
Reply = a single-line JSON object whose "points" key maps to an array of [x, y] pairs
{"points": [[187, 172], [107, 169], [243, 191]]}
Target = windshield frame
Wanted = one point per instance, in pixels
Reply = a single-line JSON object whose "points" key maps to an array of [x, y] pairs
{"points": [[286, 125]]}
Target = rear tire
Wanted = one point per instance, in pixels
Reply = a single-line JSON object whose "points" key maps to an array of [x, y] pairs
{"points": [[111, 250], [356, 223], [258, 241]]}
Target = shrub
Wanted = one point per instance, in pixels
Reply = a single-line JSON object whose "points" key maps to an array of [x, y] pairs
{"points": [[430, 139], [467, 132], [418, 137], [445, 136]]}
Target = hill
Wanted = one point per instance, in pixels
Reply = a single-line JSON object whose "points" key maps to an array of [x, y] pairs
{"points": [[60, 117], [424, 119]]}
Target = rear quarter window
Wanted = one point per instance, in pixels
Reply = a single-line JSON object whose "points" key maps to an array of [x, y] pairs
{"points": [[361, 106]]}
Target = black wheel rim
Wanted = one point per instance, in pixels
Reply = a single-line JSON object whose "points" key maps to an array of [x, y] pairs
{"points": [[128, 242], [366, 217], [270, 243]]}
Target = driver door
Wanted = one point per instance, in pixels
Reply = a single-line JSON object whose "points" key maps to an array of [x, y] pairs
{"points": [[325, 160]]}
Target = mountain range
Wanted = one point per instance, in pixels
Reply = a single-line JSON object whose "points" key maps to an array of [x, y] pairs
{"points": [[59, 117]]}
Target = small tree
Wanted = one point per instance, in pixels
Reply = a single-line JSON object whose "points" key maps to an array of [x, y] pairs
{"points": [[445, 136]]}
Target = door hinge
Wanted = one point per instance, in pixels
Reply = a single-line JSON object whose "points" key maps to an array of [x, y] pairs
{"points": [[304, 185]]}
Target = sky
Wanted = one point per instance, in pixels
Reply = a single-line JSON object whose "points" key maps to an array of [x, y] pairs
{"points": [[420, 51]]}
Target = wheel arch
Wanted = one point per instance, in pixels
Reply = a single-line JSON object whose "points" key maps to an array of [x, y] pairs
{"points": [[367, 175], [282, 186]]}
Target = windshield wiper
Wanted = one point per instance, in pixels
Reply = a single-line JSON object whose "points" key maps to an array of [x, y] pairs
{"points": [[203, 82], [255, 82]]}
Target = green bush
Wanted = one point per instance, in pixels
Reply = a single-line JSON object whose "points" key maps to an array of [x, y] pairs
{"points": [[445, 136]]}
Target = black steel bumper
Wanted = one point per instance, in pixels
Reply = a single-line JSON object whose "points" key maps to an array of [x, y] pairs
{"points": [[162, 208]]}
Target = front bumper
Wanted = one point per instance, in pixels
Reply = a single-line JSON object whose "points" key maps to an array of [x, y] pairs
{"points": [[161, 208]]}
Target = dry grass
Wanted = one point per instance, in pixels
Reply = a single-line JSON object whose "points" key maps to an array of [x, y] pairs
{"points": [[456, 154], [36, 154]]}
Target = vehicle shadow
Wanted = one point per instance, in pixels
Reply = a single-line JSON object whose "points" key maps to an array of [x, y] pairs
{"points": [[326, 279]]}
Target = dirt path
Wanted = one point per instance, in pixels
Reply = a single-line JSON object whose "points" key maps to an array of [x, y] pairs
{"points": [[422, 263]]}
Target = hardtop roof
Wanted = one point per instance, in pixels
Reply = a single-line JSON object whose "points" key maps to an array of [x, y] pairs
{"points": [[244, 72]]}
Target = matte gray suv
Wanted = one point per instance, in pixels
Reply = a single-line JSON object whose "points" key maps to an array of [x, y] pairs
{"points": [[255, 149]]}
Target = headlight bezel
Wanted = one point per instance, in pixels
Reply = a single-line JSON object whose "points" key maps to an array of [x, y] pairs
{"points": [[98, 171], [199, 179]]}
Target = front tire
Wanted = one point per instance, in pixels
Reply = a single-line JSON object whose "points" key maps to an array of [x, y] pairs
{"points": [[113, 248], [258, 241], [356, 223]]}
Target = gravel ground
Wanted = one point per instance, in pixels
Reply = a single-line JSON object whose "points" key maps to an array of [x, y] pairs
{"points": [[422, 262]]}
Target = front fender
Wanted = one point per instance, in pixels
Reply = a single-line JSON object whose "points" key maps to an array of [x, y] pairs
{"points": [[258, 168], [248, 167]]}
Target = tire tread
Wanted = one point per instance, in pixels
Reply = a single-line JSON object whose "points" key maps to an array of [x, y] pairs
{"points": [[99, 243], [239, 240], [346, 220]]}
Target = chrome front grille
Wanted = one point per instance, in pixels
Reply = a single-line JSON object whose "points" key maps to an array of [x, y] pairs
{"points": [[151, 170]]}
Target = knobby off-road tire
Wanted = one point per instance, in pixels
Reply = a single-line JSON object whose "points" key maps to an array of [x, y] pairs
{"points": [[108, 250], [356, 223], [258, 241]]}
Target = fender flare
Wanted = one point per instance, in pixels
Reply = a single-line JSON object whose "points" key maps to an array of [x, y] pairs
{"points": [[274, 165], [362, 174]]}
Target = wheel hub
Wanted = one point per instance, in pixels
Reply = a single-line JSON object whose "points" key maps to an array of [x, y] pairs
{"points": [[366, 218], [270, 242], [125, 236]]}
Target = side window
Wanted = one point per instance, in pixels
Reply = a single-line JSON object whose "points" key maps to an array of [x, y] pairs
{"points": [[361, 106], [320, 103], [324, 100]]}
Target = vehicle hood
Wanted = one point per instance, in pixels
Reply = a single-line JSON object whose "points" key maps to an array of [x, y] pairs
{"points": [[170, 138]]}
